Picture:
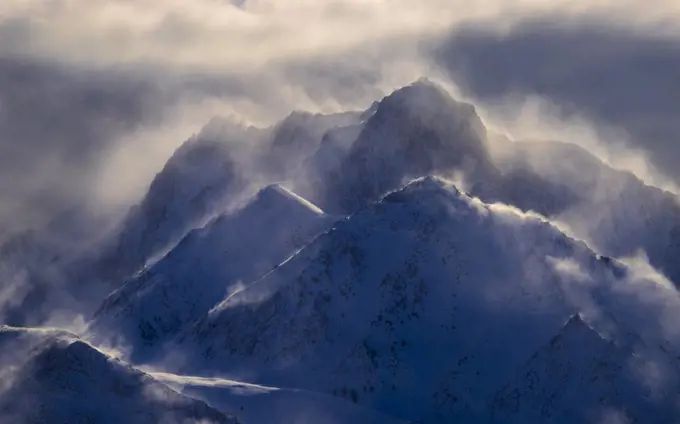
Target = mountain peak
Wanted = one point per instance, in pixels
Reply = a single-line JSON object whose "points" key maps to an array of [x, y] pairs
{"points": [[576, 331], [430, 191], [417, 130], [575, 321], [424, 97], [430, 183]]}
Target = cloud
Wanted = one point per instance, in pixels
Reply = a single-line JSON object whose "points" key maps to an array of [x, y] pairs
{"points": [[600, 84], [52, 124], [216, 34]]}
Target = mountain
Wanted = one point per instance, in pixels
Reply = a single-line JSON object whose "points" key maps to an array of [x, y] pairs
{"points": [[321, 169], [578, 376], [421, 306], [415, 131], [198, 181], [208, 264], [415, 303], [297, 137], [59, 378], [421, 130], [208, 173]]}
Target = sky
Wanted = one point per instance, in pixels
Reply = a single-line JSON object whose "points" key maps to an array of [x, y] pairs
{"points": [[95, 94]]}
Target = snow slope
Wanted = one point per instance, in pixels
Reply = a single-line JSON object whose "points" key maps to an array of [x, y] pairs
{"points": [[60, 379], [580, 377], [420, 306], [425, 305], [261, 404], [206, 265]]}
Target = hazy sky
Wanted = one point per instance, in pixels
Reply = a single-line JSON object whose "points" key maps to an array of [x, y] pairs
{"points": [[95, 94]]}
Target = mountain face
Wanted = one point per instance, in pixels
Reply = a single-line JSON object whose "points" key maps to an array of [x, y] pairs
{"points": [[274, 405], [421, 306], [296, 137], [206, 266], [417, 130], [321, 170], [578, 376], [62, 379]]}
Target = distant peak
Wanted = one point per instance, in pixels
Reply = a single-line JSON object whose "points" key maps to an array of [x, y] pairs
{"points": [[431, 184], [430, 102], [297, 115], [277, 196], [420, 91], [425, 82]]}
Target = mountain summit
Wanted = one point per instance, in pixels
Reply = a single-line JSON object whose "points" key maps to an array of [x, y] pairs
{"points": [[206, 266], [417, 130]]}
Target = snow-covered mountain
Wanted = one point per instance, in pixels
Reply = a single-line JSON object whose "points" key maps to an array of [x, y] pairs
{"points": [[207, 174], [417, 130], [413, 300], [421, 130], [53, 377], [297, 137], [421, 306], [580, 377], [206, 265]]}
